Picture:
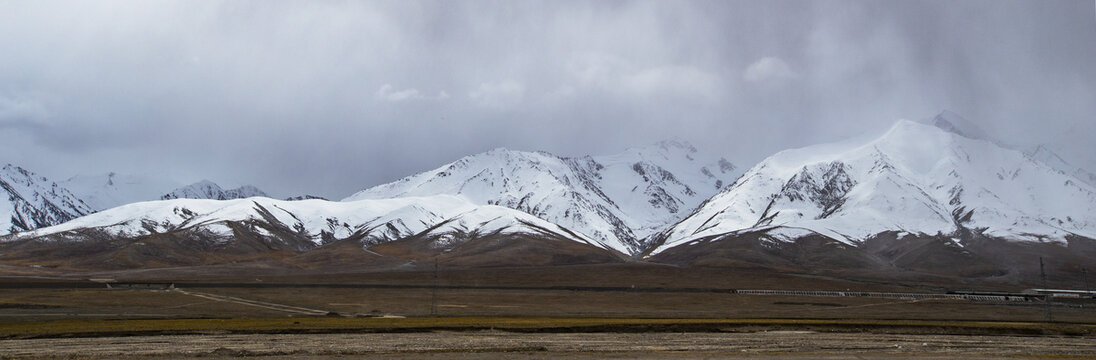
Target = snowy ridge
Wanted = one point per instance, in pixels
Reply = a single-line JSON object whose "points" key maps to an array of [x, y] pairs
{"points": [[305, 197], [105, 191], [915, 178], [206, 189], [1048, 157], [317, 220], [617, 200], [493, 219], [29, 201]]}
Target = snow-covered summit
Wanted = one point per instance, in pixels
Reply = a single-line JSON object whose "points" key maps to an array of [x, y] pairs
{"points": [[952, 122], [29, 201], [104, 191], [206, 189], [915, 178], [617, 200]]}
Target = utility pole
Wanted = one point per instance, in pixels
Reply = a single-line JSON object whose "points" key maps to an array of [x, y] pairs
{"points": [[434, 296], [1088, 290], [1046, 298], [1084, 275]]}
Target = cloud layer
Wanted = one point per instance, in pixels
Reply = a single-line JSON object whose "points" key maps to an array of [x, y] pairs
{"points": [[329, 97]]}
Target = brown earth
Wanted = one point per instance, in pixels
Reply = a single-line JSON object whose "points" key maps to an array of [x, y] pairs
{"points": [[624, 310], [911, 259], [497, 344], [613, 290]]}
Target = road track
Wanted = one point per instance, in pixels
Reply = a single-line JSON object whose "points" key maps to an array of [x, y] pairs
{"points": [[255, 303]]}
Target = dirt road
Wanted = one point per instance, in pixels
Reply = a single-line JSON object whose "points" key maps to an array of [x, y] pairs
{"points": [[255, 303], [497, 344]]}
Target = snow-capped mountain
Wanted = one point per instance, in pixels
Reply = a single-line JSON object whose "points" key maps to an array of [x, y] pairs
{"points": [[954, 123], [306, 223], [105, 191], [1044, 155], [29, 201], [617, 200], [914, 179], [206, 189]]}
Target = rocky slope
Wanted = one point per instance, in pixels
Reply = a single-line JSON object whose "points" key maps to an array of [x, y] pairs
{"points": [[29, 201]]}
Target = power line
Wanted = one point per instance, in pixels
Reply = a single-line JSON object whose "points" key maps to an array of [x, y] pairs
{"points": [[434, 296], [1046, 297]]}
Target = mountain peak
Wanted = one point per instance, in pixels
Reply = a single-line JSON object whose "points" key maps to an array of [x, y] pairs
{"points": [[498, 150], [668, 147], [917, 178], [954, 123], [9, 168], [111, 189], [206, 189], [617, 200], [29, 201], [676, 144], [206, 183]]}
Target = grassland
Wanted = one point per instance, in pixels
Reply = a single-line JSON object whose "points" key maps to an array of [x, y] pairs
{"points": [[621, 311]]}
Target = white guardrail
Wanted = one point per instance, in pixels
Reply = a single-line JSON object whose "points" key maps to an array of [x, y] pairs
{"points": [[892, 295]]}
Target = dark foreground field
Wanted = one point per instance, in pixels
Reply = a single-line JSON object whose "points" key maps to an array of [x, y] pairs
{"points": [[621, 311], [502, 344]]}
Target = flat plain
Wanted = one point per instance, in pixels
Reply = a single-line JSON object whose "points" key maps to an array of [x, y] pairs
{"points": [[614, 311]]}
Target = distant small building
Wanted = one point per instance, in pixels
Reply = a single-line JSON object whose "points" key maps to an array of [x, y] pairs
{"points": [[1062, 293]]}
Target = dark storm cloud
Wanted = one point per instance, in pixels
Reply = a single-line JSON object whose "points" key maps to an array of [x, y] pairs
{"points": [[330, 97]]}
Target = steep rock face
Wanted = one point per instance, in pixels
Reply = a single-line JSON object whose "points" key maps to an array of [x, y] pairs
{"points": [[206, 189], [617, 200], [916, 179], [29, 201]]}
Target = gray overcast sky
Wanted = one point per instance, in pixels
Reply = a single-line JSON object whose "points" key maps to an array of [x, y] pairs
{"points": [[330, 97]]}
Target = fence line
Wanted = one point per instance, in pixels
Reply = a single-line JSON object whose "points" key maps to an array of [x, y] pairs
{"points": [[891, 295]]}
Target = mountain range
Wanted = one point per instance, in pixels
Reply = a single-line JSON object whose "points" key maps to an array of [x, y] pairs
{"points": [[618, 200], [924, 199]]}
